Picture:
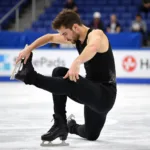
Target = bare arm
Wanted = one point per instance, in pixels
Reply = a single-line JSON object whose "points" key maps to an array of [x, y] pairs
{"points": [[53, 38], [48, 38], [97, 43]]}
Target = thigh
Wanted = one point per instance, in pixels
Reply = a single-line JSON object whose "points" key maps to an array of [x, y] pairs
{"points": [[96, 96], [80, 91], [83, 91], [59, 71]]}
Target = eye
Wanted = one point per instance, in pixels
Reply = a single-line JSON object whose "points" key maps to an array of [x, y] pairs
{"points": [[64, 34]]}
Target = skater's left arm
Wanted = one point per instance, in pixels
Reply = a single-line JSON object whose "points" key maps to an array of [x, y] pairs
{"points": [[93, 46]]}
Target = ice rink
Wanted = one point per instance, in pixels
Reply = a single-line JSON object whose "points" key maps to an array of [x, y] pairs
{"points": [[26, 114]]}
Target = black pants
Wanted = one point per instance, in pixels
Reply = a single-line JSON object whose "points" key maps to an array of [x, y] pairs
{"points": [[98, 99]]}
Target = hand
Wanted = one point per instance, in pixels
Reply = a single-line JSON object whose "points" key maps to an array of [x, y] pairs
{"points": [[25, 53], [73, 72]]}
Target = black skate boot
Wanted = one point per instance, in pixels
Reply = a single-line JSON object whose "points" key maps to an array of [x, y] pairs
{"points": [[72, 125], [59, 129], [26, 74]]}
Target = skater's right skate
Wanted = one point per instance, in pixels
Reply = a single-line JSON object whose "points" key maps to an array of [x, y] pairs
{"points": [[72, 125], [58, 130]]}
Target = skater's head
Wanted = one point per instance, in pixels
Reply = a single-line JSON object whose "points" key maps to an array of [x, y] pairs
{"points": [[68, 24]]}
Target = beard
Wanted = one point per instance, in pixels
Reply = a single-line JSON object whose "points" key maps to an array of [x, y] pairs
{"points": [[75, 38]]}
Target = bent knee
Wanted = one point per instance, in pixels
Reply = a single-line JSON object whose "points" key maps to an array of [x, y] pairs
{"points": [[59, 71], [92, 137]]}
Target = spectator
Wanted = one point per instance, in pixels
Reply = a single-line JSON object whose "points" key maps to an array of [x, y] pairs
{"points": [[70, 4], [113, 26], [145, 6], [97, 22], [139, 25]]}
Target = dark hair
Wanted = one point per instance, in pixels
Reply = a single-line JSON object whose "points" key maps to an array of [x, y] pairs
{"points": [[66, 18]]}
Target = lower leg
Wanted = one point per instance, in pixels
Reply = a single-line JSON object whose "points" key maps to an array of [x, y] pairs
{"points": [[59, 100], [60, 105], [59, 129], [94, 123]]}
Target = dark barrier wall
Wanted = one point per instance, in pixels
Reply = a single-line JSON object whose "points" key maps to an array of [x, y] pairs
{"points": [[19, 39]]}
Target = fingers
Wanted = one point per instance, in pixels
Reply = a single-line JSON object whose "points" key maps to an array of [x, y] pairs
{"points": [[74, 78], [25, 60], [18, 59], [71, 76], [77, 76], [21, 56], [66, 76]]}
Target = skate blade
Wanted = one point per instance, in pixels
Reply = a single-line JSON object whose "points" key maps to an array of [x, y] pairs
{"points": [[50, 144], [12, 77], [18, 67]]}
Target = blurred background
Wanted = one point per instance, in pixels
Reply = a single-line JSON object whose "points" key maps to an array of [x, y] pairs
{"points": [[26, 111], [111, 16], [126, 23]]}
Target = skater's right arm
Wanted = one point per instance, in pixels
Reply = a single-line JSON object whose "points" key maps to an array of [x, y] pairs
{"points": [[48, 38]]}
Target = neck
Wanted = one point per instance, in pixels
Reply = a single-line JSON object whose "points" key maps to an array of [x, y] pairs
{"points": [[83, 33]]}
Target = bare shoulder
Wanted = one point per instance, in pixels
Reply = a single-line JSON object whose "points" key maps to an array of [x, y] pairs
{"points": [[96, 32], [99, 37]]}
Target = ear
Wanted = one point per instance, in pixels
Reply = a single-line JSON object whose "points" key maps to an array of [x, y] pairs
{"points": [[75, 27]]}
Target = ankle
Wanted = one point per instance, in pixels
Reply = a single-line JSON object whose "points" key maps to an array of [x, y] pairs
{"points": [[61, 119], [30, 78]]}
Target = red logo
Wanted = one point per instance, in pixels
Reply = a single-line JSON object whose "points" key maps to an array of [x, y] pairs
{"points": [[129, 63]]}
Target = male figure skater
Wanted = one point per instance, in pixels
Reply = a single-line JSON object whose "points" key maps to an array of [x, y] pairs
{"points": [[96, 91]]}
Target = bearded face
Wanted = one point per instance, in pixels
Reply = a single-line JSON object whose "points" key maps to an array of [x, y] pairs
{"points": [[69, 34]]}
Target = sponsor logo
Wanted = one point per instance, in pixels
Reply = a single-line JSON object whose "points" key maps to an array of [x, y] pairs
{"points": [[129, 63], [46, 62], [144, 64], [4, 63]]}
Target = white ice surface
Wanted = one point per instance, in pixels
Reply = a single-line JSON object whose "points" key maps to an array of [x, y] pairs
{"points": [[26, 113]]}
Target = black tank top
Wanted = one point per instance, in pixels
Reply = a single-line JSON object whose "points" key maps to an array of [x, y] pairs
{"points": [[101, 68]]}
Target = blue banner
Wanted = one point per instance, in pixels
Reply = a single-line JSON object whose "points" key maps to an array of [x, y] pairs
{"points": [[20, 39]]}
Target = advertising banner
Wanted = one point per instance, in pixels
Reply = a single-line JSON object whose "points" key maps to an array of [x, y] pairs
{"points": [[129, 64]]}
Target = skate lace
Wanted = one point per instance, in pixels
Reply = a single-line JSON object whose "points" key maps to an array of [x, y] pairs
{"points": [[54, 126]]}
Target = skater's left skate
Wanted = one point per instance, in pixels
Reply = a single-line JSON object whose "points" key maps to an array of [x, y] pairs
{"points": [[21, 69], [26, 72], [58, 130]]}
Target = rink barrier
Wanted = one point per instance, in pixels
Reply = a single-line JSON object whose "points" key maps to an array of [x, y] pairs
{"points": [[19, 39], [132, 65]]}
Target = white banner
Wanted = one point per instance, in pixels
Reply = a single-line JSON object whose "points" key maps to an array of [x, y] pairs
{"points": [[44, 61], [132, 63], [129, 64]]}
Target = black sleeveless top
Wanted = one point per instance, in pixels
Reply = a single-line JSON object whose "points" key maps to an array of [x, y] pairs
{"points": [[101, 68]]}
